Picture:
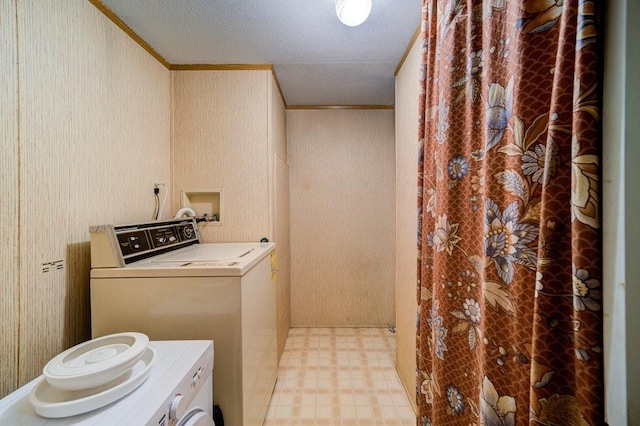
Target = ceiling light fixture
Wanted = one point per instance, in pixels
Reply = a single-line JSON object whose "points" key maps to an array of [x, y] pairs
{"points": [[353, 12]]}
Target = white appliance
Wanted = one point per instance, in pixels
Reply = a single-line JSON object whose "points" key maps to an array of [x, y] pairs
{"points": [[177, 391], [158, 279]]}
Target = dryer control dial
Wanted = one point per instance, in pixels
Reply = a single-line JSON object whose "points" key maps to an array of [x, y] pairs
{"points": [[178, 407]]}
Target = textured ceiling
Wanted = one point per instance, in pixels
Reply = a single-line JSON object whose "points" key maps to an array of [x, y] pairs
{"points": [[317, 59]]}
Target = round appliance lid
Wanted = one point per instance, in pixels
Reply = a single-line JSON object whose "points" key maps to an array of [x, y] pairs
{"points": [[54, 403], [95, 362]]}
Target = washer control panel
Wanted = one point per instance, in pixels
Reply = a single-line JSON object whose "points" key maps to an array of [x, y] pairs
{"points": [[188, 397], [133, 242]]}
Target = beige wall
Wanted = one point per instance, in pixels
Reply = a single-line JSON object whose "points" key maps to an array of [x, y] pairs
{"points": [[407, 145], [220, 123], [279, 198], [342, 217], [277, 136], [9, 291], [621, 201], [94, 129]]}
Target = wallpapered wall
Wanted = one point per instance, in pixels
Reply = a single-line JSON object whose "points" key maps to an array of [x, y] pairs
{"points": [[220, 138], [407, 145], [93, 134], [8, 199], [342, 217], [229, 134]]}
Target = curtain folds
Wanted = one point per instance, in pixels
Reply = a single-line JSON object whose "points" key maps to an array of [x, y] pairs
{"points": [[510, 282]]}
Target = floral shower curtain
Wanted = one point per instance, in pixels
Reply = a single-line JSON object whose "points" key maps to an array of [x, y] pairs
{"points": [[509, 295]]}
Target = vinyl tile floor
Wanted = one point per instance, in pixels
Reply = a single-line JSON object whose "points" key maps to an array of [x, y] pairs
{"points": [[339, 376]]}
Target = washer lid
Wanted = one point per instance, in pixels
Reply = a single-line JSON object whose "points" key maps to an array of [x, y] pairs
{"points": [[95, 362]]}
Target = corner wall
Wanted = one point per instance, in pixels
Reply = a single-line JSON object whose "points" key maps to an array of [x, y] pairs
{"points": [[407, 145], [621, 203]]}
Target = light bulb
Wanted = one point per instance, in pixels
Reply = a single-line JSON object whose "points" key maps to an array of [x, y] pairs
{"points": [[353, 12]]}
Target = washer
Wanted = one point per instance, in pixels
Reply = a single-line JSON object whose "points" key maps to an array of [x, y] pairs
{"points": [[176, 392], [157, 278]]}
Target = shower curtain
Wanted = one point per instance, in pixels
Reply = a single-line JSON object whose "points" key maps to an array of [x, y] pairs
{"points": [[509, 265]]}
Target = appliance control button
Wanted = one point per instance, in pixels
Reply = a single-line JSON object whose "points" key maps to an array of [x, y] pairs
{"points": [[196, 377], [178, 407]]}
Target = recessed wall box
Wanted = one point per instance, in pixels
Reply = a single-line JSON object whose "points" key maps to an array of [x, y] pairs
{"points": [[207, 203]]}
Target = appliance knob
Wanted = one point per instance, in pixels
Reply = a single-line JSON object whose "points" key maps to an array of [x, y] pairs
{"points": [[178, 407], [188, 232]]}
